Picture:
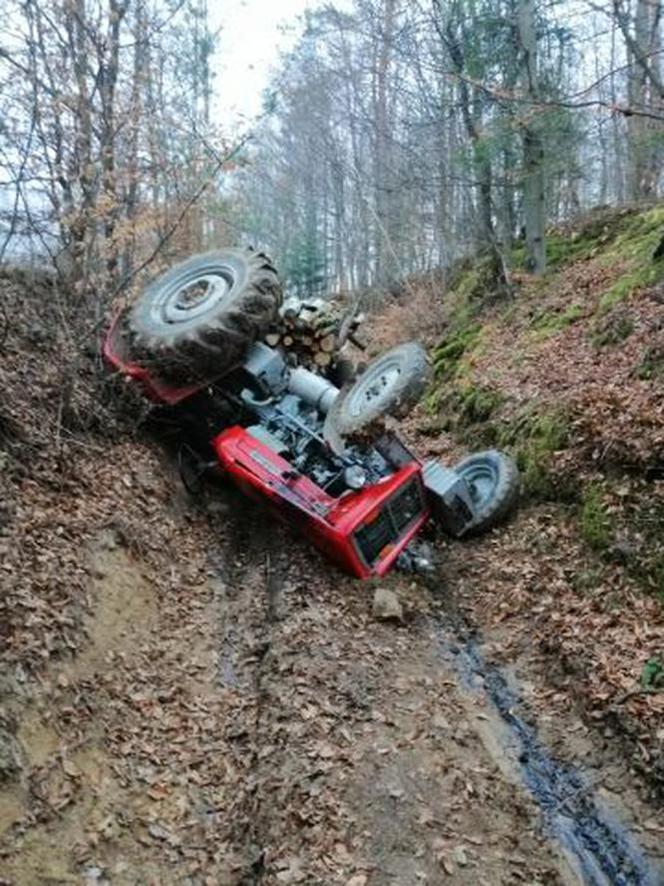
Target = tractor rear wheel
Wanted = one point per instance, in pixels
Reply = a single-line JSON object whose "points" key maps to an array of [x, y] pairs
{"points": [[199, 318]]}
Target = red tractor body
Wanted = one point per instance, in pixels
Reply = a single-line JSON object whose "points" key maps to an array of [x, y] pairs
{"points": [[285, 425], [363, 532]]}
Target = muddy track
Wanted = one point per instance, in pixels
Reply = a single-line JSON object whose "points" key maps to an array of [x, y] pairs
{"points": [[598, 845], [250, 576], [240, 717], [420, 776]]}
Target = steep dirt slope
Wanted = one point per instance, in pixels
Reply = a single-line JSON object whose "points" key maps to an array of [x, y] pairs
{"points": [[568, 375]]}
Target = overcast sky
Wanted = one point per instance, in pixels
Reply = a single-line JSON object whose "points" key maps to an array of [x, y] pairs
{"points": [[252, 34]]}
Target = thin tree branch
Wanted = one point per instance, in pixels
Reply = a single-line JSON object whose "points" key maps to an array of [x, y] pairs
{"points": [[198, 193]]}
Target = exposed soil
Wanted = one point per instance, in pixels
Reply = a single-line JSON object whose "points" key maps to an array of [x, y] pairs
{"points": [[244, 719]]}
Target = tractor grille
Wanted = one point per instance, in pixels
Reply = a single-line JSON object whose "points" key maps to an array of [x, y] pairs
{"points": [[397, 515], [371, 539], [405, 505]]}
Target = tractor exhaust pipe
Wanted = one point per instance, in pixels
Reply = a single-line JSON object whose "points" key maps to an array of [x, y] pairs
{"points": [[313, 389]]}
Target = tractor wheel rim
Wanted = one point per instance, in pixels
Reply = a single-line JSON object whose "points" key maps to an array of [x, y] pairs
{"points": [[375, 390], [193, 295], [482, 480]]}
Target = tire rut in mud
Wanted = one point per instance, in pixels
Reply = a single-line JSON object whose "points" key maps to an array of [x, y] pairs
{"points": [[250, 568], [350, 760]]}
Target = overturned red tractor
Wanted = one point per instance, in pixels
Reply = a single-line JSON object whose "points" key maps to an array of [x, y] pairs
{"points": [[320, 457]]}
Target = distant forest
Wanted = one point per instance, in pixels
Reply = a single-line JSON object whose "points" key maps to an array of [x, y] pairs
{"points": [[397, 136]]}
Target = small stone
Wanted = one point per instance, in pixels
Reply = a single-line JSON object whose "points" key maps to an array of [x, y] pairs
{"points": [[622, 552], [158, 832], [459, 855], [36, 333], [386, 606]]}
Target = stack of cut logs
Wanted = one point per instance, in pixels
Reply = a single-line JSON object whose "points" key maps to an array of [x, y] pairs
{"points": [[311, 331]]}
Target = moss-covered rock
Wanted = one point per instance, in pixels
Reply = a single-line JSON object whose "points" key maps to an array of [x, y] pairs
{"points": [[612, 328]]}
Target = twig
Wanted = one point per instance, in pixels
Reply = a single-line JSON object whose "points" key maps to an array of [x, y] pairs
{"points": [[542, 104], [220, 162], [5, 324]]}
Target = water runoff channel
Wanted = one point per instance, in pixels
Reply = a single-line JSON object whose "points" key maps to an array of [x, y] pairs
{"points": [[598, 847]]}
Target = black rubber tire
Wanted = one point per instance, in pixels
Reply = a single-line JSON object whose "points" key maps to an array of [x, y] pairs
{"points": [[496, 493], [179, 336], [342, 372], [392, 384]]}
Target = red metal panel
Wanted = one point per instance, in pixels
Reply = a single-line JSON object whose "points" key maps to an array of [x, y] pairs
{"points": [[116, 353], [328, 522]]}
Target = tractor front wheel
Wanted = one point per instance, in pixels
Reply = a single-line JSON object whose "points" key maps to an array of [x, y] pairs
{"points": [[392, 384], [493, 482]]}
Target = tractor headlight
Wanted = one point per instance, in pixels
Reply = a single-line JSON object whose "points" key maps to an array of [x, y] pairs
{"points": [[355, 477]]}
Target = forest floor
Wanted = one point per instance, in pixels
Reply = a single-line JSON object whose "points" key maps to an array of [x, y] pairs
{"points": [[189, 694]]}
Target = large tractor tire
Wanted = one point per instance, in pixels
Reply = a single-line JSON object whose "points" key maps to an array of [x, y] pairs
{"points": [[493, 481], [390, 385], [199, 318]]}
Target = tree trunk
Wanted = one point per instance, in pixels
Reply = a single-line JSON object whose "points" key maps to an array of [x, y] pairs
{"points": [[384, 268], [645, 94], [534, 207]]}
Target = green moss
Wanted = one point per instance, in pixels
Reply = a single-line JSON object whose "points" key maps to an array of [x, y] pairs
{"points": [[625, 237], [639, 278], [652, 364], [594, 518], [595, 231], [551, 322], [447, 355], [587, 580], [647, 564], [536, 476], [658, 576], [634, 247], [478, 404], [473, 282], [562, 250], [550, 430], [639, 236], [468, 285], [458, 408], [534, 437]]}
